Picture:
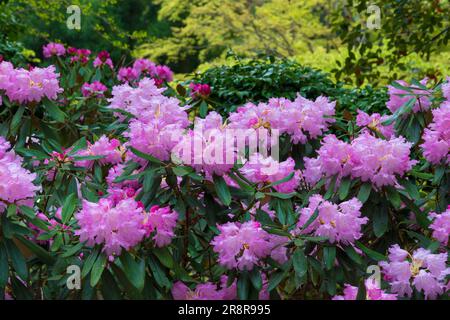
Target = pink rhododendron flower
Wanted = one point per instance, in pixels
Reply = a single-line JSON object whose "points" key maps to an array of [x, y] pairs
{"points": [[243, 245], [127, 74], [374, 122], [115, 226], [297, 118], [16, 182], [111, 149], [94, 89], [367, 157], [79, 55], [103, 59], [436, 137], [424, 271], [267, 170], [339, 223], [398, 97], [373, 292], [162, 74], [144, 67], [207, 148], [380, 161], [334, 158], [441, 225], [199, 90], [53, 49], [27, 86], [162, 221]]}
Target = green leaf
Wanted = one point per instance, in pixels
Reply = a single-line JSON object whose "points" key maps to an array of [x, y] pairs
{"points": [[16, 120], [43, 255], [380, 222], [203, 109], [352, 254], [256, 279], [164, 256], [329, 255], [222, 190], [4, 266], [55, 112], [158, 273], [275, 280], [89, 262], [300, 263], [72, 250], [394, 197], [97, 269], [18, 261], [331, 186], [243, 286], [361, 295], [411, 188], [146, 156], [69, 207], [182, 171], [364, 192], [371, 253], [134, 270], [344, 188]]}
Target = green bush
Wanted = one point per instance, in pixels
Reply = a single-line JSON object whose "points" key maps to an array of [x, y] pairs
{"points": [[261, 79]]}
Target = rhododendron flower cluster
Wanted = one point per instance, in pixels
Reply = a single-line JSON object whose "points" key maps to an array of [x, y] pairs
{"points": [[116, 227], [33, 85], [103, 59], [94, 89], [162, 221], [243, 245], [146, 68], [423, 270], [374, 122], [441, 225], [339, 223], [207, 148], [267, 170], [436, 146], [373, 292], [16, 182], [53, 49], [200, 90], [296, 118], [111, 149], [366, 157], [398, 97], [79, 55]]}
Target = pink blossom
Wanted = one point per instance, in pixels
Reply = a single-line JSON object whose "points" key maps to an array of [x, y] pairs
{"points": [[199, 90], [16, 182], [398, 97], [162, 74], [441, 225], [127, 74], [115, 226], [339, 223], [373, 292], [380, 161], [103, 58], [436, 137], [244, 245], [27, 86], [144, 67], [424, 271], [79, 55], [446, 89], [374, 122], [53, 49], [111, 149], [162, 221], [94, 89], [267, 170]]}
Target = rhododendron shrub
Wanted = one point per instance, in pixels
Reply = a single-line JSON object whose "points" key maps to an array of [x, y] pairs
{"points": [[139, 181]]}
